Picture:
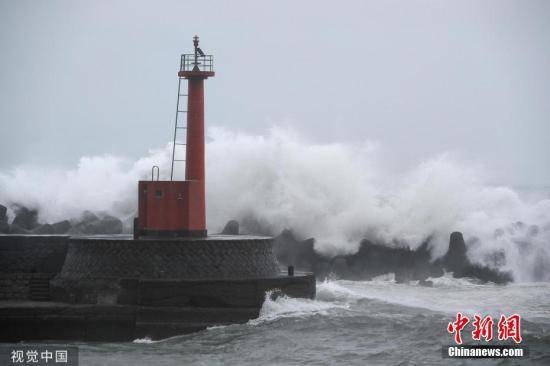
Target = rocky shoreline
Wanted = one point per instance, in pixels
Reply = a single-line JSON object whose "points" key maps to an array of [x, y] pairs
{"points": [[375, 259], [89, 223]]}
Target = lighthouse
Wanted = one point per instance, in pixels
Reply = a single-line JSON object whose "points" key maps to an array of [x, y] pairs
{"points": [[178, 208], [170, 278]]}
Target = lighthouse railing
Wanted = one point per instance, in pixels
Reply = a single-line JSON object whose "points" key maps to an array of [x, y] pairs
{"points": [[204, 63]]}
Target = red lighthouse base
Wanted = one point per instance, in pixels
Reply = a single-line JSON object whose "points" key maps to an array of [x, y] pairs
{"points": [[170, 209]]}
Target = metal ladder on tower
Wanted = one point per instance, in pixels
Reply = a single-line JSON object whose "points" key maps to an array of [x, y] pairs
{"points": [[181, 114]]}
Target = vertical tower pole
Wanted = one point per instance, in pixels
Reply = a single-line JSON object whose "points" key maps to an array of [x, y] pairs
{"points": [[195, 161]]}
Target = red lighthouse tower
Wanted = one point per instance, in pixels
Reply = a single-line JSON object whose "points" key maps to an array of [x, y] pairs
{"points": [[178, 208]]}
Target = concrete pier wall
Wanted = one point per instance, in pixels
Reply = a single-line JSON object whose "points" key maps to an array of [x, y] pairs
{"points": [[117, 288], [27, 263]]}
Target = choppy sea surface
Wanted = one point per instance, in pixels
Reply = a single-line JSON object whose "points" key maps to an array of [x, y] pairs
{"points": [[378, 322]]}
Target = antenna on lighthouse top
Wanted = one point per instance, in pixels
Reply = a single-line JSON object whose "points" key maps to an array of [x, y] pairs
{"points": [[196, 64], [198, 52]]}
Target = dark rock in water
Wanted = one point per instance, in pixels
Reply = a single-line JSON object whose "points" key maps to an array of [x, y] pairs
{"points": [[26, 222], [110, 225], [252, 225], [86, 224], [339, 266], [455, 259], [300, 254], [231, 228], [3, 213], [25, 218], [61, 227], [16, 229], [91, 224], [484, 274], [81, 226], [45, 229], [88, 216], [373, 259], [4, 227]]}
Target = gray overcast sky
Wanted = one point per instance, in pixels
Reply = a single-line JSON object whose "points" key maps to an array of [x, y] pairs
{"points": [[419, 77]]}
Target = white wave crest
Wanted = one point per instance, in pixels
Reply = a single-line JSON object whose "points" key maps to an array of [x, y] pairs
{"points": [[447, 295], [145, 340], [289, 307]]}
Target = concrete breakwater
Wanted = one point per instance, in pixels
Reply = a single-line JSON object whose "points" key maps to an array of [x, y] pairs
{"points": [[117, 288]]}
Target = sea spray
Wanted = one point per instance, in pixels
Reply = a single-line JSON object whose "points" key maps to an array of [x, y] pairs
{"points": [[337, 193]]}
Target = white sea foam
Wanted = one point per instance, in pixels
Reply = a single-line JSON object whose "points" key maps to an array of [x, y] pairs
{"points": [[448, 295], [337, 193], [288, 307], [145, 340]]}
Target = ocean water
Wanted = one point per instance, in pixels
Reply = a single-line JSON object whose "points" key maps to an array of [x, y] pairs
{"points": [[376, 322]]}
